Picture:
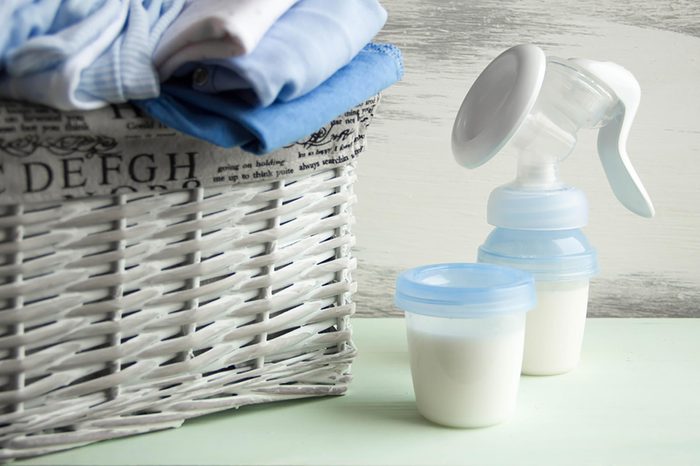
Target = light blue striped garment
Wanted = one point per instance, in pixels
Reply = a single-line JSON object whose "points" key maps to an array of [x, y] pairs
{"points": [[126, 71], [82, 54]]}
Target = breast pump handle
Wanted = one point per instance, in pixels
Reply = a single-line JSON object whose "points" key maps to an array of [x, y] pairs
{"points": [[612, 138]]}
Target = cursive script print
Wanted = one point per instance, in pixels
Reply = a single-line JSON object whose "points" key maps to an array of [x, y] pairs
{"points": [[20, 147], [64, 145], [326, 136]]}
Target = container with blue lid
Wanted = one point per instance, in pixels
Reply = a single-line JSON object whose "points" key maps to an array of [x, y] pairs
{"points": [[461, 290], [465, 325], [557, 255]]}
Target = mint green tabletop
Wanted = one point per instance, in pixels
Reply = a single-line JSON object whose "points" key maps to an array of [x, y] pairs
{"points": [[634, 400]]}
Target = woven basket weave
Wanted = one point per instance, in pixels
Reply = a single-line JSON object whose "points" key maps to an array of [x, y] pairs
{"points": [[127, 314]]}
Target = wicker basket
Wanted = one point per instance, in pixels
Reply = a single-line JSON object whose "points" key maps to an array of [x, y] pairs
{"points": [[130, 313]]}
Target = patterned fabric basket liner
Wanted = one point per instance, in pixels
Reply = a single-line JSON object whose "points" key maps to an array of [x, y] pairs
{"points": [[130, 313]]}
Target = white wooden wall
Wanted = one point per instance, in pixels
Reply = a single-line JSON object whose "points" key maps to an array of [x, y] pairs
{"points": [[417, 206]]}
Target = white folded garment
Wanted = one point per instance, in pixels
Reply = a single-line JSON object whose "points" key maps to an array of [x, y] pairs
{"points": [[211, 29]]}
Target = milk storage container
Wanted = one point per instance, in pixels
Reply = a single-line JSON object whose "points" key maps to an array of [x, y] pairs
{"points": [[465, 325]]}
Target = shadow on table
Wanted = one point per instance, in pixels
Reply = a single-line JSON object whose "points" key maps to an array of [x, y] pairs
{"points": [[256, 409]]}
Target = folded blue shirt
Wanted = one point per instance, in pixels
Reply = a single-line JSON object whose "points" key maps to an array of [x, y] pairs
{"points": [[309, 43], [226, 120]]}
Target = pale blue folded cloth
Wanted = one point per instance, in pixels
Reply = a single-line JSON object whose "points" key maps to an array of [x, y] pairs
{"points": [[44, 34], [82, 54], [24, 20], [226, 120], [309, 43]]}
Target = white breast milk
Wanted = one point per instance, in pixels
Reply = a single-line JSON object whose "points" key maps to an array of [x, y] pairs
{"points": [[466, 373], [554, 329]]}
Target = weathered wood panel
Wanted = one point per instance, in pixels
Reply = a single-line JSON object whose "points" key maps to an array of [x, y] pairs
{"points": [[418, 206]]}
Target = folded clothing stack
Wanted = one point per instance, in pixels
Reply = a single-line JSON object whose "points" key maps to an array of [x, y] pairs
{"points": [[259, 74]]}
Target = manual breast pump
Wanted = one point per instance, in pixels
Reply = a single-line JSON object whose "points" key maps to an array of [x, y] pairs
{"points": [[537, 106]]}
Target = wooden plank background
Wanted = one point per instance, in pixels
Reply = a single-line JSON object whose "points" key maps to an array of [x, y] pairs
{"points": [[417, 206]]}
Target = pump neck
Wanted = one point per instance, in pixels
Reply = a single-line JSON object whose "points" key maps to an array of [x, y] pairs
{"points": [[549, 132], [537, 175]]}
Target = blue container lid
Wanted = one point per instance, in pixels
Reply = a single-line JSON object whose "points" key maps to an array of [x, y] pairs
{"points": [[557, 255], [461, 290]]}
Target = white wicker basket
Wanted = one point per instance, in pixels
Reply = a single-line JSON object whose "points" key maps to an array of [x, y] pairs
{"points": [[130, 313]]}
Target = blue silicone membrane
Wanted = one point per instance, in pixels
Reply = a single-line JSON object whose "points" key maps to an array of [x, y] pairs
{"points": [[461, 290]]}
